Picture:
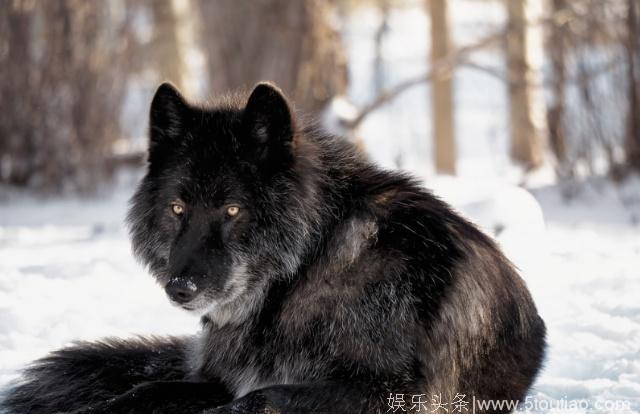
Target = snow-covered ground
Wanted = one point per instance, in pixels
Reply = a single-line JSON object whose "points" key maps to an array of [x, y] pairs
{"points": [[66, 271], [580, 256], [586, 280]]}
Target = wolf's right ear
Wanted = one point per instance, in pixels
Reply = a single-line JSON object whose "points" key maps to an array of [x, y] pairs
{"points": [[168, 113], [268, 127]]}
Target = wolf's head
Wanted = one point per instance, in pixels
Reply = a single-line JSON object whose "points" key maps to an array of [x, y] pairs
{"points": [[222, 206]]}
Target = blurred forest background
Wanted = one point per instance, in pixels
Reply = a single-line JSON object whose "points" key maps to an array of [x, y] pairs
{"points": [[77, 77], [524, 115]]}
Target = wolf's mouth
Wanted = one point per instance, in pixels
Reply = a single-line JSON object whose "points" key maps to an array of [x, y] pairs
{"points": [[206, 299], [203, 301]]}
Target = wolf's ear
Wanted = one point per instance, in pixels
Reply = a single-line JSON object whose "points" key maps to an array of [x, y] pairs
{"points": [[268, 125], [168, 113]]}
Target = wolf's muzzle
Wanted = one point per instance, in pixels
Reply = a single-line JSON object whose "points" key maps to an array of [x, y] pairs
{"points": [[181, 290]]}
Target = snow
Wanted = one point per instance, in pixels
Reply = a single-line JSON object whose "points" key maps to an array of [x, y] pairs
{"points": [[581, 264], [67, 273], [587, 286], [577, 244]]}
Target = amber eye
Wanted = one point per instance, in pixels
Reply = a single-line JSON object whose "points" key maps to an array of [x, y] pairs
{"points": [[233, 211], [177, 209]]}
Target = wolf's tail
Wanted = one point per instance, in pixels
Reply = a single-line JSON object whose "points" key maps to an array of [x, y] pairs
{"points": [[87, 373]]}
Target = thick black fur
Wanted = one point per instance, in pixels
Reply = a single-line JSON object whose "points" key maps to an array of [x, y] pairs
{"points": [[324, 283]]}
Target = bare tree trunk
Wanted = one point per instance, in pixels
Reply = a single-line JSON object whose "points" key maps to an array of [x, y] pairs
{"points": [[288, 42], [60, 105], [526, 102], [556, 111], [442, 91], [166, 45], [632, 142], [16, 141]]}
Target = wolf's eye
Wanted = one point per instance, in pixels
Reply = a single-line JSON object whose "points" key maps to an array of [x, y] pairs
{"points": [[233, 211], [177, 209]]}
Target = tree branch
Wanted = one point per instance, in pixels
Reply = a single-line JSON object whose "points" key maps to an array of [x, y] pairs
{"points": [[439, 68]]}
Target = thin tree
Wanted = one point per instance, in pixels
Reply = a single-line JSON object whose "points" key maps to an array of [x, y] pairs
{"points": [[526, 102], [382, 30], [632, 142], [442, 90], [166, 43], [556, 47]]}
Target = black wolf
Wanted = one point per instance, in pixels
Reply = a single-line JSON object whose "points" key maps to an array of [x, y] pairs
{"points": [[325, 284]]}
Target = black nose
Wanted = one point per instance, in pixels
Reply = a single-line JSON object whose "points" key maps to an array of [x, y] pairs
{"points": [[181, 290]]}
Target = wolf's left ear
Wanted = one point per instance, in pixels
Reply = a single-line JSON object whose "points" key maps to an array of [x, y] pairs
{"points": [[268, 125], [168, 113]]}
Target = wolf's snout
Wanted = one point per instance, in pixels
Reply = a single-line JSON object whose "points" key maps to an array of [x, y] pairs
{"points": [[181, 290]]}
